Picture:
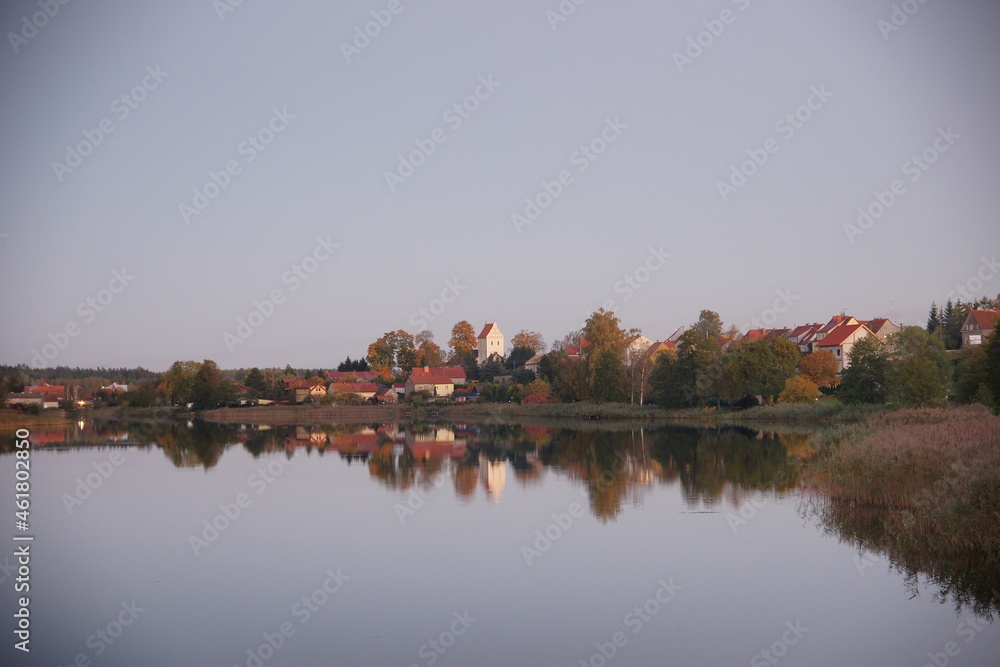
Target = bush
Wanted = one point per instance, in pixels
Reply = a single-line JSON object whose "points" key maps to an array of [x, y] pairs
{"points": [[799, 389]]}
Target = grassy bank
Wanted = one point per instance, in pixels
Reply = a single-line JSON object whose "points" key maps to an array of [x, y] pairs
{"points": [[11, 420]]}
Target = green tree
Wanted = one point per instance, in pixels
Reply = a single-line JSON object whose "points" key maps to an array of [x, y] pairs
{"points": [[920, 369], [865, 380], [177, 382], [693, 377], [933, 319], [518, 356], [709, 324], [255, 382], [607, 376], [210, 389], [761, 368]]}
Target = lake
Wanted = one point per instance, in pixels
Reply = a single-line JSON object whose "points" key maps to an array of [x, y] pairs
{"points": [[496, 544]]}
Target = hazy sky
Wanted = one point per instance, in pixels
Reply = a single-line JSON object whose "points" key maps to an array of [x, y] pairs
{"points": [[623, 122]]}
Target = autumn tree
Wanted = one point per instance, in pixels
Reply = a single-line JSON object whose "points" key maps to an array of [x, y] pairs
{"points": [[429, 354], [821, 368], [799, 389], [177, 382], [463, 338], [393, 350], [709, 324], [209, 389], [604, 362], [529, 339]]}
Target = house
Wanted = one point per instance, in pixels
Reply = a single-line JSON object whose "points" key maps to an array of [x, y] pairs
{"points": [[366, 390], [803, 336], [435, 385], [576, 352], [841, 339], [490, 342], [351, 376], [754, 335], [303, 391], [455, 373], [116, 388], [660, 346], [386, 396], [53, 394], [466, 394], [977, 326], [532, 364], [25, 400], [834, 322], [882, 327]]}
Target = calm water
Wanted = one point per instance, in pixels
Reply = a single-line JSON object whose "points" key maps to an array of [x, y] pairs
{"points": [[499, 545]]}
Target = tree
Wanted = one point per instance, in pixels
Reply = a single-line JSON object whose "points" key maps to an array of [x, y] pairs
{"points": [[865, 380], [255, 382], [178, 381], [952, 325], [761, 368], [799, 389], [356, 365], [709, 324], [821, 368], [991, 363], [607, 376], [394, 350], [463, 339], [210, 389], [529, 339], [920, 368], [518, 356], [429, 354], [680, 380], [571, 339], [933, 319], [603, 331]]}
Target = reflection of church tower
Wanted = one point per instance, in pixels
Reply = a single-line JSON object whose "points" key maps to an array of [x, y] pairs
{"points": [[490, 342], [494, 477]]}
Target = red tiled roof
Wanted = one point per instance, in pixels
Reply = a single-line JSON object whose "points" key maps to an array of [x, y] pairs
{"points": [[983, 318], [419, 377], [755, 335], [490, 326], [842, 333], [444, 371], [47, 390]]}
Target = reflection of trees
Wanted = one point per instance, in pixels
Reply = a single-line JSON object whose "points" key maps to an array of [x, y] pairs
{"points": [[396, 467], [709, 463], [969, 577]]}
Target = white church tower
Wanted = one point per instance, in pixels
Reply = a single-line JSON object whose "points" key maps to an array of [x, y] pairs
{"points": [[490, 342]]}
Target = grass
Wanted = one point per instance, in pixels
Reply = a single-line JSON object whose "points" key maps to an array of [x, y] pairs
{"points": [[11, 420]]}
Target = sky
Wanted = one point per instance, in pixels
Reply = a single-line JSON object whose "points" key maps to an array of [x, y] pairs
{"points": [[264, 183]]}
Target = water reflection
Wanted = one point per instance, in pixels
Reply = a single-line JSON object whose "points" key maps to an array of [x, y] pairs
{"points": [[970, 579], [615, 464]]}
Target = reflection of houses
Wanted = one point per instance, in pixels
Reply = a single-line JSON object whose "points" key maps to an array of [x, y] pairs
{"points": [[435, 443], [977, 326], [423, 379]]}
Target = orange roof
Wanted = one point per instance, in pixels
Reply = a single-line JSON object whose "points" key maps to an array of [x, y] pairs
{"points": [[755, 335], [842, 333], [983, 318], [444, 371], [419, 377]]}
